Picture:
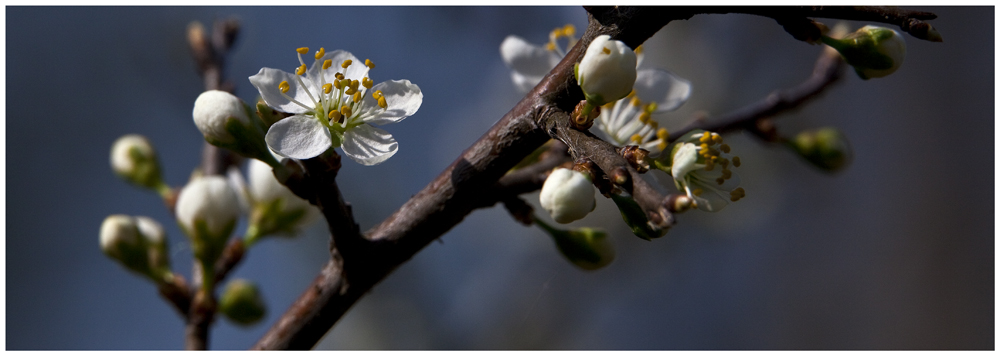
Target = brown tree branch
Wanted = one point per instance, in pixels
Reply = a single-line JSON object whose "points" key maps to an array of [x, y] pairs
{"points": [[360, 261]]}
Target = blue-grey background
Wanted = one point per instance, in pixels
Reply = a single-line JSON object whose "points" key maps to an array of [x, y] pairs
{"points": [[895, 252]]}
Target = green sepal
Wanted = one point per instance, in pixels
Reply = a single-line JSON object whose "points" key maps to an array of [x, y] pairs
{"points": [[269, 218], [635, 217], [584, 247]]}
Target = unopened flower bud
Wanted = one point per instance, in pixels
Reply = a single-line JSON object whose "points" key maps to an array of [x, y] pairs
{"points": [[275, 209], [873, 51], [134, 159], [607, 71], [207, 210], [138, 243], [225, 122], [567, 195], [241, 303], [585, 247], [827, 148]]}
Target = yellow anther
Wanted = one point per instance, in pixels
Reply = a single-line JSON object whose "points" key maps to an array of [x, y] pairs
{"points": [[705, 138], [376, 95], [652, 123], [724, 148], [367, 82], [720, 181], [636, 102], [328, 63], [637, 138], [338, 84], [606, 50], [357, 97], [350, 91], [369, 64], [638, 50], [382, 103], [301, 70], [335, 115], [716, 138], [556, 33], [644, 118], [651, 107], [379, 93], [726, 173], [737, 194], [662, 133], [698, 191], [704, 147], [550, 46], [327, 88], [320, 53], [346, 110], [346, 63], [709, 166], [283, 86], [339, 75], [724, 162], [714, 158], [345, 83], [736, 161], [354, 84], [302, 50], [569, 30], [662, 145]]}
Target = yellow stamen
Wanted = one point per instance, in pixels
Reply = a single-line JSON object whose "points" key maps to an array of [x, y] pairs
{"points": [[720, 181], [354, 84], [345, 83], [698, 191], [726, 174], [705, 138], [736, 161], [346, 110], [724, 162], [637, 138], [556, 33], [327, 63], [662, 145], [283, 86], [636, 102], [335, 115], [302, 50], [379, 92], [382, 103], [652, 123], [346, 63], [716, 138], [357, 97], [709, 166], [327, 88], [662, 133], [550, 46], [369, 64], [339, 76], [724, 148], [606, 50], [644, 118], [338, 84], [367, 82], [569, 30], [350, 91], [301, 70], [651, 107], [320, 53]]}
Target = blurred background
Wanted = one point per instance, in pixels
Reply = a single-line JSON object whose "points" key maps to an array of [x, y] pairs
{"points": [[894, 252]]}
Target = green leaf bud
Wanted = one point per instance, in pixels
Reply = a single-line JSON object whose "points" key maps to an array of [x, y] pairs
{"points": [[826, 148], [241, 303]]}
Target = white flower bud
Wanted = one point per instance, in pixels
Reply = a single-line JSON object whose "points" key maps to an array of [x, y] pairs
{"points": [[156, 241], [212, 111], [873, 51], [275, 209], [567, 195], [207, 210], [120, 239], [134, 159], [607, 71]]}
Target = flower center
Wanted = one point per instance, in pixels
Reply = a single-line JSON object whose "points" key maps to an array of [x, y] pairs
{"points": [[568, 32], [336, 101], [630, 122]]}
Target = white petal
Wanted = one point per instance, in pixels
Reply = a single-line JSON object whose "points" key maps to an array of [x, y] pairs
{"points": [[267, 80], [668, 91], [298, 137], [369, 145], [402, 98], [529, 63]]}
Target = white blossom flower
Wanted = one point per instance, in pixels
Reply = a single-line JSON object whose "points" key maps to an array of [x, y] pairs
{"points": [[655, 93], [694, 159], [567, 195], [335, 105], [530, 63], [607, 70]]}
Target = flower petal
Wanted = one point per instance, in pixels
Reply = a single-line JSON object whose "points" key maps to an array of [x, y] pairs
{"points": [[298, 137], [267, 80], [402, 98], [369, 145], [528, 63], [667, 90]]}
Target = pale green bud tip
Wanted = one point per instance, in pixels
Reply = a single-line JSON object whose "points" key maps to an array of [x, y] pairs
{"points": [[827, 148], [873, 51], [211, 201], [567, 195], [134, 159], [213, 109], [607, 71], [242, 303], [586, 248]]}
